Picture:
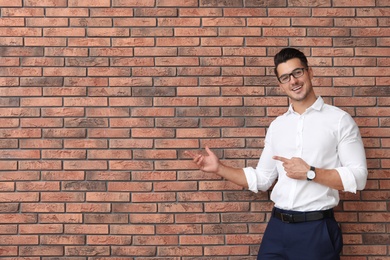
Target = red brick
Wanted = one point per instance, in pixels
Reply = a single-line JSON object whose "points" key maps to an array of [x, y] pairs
{"points": [[136, 22], [19, 218], [181, 207], [27, 72], [111, 12], [128, 186], [63, 32], [155, 240], [56, 3], [29, 61], [111, 52], [87, 250], [196, 51], [177, 41], [23, 12], [270, 41], [226, 250], [198, 218], [16, 3], [41, 229], [160, 101], [239, 32], [225, 41], [41, 250], [180, 251], [27, 175], [333, 12], [151, 175], [202, 12], [173, 143], [66, 72], [232, 3], [358, 3], [179, 229], [139, 208], [365, 250], [144, 32], [154, 197], [41, 22], [133, 3], [269, 22], [200, 196], [109, 240], [98, 32], [62, 196], [158, 154], [62, 240], [179, 22], [134, 250], [175, 3], [9, 62], [21, 32], [90, 42], [86, 229], [66, 12]]}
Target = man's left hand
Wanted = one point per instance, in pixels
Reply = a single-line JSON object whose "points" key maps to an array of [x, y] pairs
{"points": [[295, 168]]}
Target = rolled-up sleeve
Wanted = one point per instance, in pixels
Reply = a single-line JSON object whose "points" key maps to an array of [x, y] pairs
{"points": [[353, 171], [263, 176]]}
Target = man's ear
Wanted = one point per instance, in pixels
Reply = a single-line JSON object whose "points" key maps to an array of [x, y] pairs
{"points": [[280, 87], [310, 71]]}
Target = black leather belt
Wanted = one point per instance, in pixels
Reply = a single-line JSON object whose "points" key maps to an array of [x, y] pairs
{"points": [[297, 217]]}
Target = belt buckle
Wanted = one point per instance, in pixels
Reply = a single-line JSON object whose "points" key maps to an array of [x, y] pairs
{"points": [[286, 218]]}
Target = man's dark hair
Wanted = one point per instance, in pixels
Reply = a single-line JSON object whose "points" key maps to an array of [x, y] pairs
{"points": [[288, 54]]}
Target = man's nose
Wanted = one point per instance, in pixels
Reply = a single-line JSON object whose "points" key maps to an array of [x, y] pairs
{"points": [[293, 79]]}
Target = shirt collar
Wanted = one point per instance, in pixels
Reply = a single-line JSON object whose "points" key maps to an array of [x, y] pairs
{"points": [[316, 106]]}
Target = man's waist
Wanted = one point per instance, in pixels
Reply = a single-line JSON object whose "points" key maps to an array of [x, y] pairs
{"points": [[289, 216]]}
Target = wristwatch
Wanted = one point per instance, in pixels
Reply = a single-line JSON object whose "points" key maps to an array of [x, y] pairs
{"points": [[311, 174]]}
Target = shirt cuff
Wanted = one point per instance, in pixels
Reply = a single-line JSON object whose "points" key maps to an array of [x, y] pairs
{"points": [[348, 180], [251, 179]]}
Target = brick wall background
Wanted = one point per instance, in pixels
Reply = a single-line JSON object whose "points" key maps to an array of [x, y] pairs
{"points": [[100, 98]]}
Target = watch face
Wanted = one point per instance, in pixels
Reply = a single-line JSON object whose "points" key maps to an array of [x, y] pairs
{"points": [[311, 175]]}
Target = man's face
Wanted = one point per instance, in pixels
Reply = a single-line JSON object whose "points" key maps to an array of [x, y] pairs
{"points": [[298, 88]]}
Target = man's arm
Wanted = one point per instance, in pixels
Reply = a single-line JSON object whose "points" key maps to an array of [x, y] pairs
{"points": [[210, 163], [296, 168]]}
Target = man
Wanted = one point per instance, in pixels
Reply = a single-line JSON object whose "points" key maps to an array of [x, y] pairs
{"points": [[313, 150]]}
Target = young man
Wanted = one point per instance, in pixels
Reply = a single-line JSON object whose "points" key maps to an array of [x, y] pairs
{"points": [[314, 150]]}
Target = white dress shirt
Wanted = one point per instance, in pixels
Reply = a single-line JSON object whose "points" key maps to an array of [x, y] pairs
{"points": [[325, 137]]}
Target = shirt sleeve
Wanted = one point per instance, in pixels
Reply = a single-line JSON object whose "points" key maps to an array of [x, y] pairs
{"points": [[263, 176], [353, 171]]}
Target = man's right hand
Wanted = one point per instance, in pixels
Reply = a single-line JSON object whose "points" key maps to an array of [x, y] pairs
{"points": [[210, 163], [207, 163]]}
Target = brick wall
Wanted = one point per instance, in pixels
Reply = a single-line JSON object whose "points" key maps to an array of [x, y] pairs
{"points": [[100, 98]]}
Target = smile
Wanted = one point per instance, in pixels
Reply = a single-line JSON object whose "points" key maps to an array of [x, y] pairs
{"points": [[297, 88]]}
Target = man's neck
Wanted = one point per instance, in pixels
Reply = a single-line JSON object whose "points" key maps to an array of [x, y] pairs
{"points": [[301, 106]]}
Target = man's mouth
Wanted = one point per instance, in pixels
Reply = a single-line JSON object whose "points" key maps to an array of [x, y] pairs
{"points": [[296, 88]]}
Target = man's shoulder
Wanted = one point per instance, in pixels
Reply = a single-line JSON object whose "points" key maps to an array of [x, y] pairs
{"points": [[280, 119], [326, 108]]}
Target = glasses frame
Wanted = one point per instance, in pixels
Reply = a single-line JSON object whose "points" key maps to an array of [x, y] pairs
{"points": [[292, 74]]}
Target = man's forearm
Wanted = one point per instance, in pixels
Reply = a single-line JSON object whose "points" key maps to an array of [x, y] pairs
{"points": [[329, 177], [235, 175]]}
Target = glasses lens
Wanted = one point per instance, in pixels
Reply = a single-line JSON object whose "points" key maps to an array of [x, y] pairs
{"points": [[297, 73], [284, 78]]}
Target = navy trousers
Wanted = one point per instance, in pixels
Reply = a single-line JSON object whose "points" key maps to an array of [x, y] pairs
{"points": [[313, 240]]}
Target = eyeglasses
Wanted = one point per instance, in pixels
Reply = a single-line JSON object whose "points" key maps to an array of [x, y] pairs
{"points": [[297, 73]]}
